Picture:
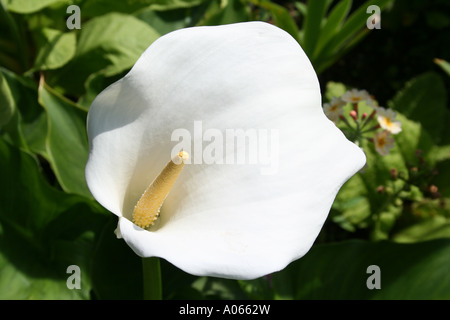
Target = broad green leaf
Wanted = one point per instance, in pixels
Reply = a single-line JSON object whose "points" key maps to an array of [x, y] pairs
{"points": [[173, 4], [95, 84], [339, 271], [439, 153], [42, 232], [53, 17], [116, 269], [27, 126], [412, 138], [435, 228], [27, 6], [424, 99], [110, 43], [29, 278], [66, 142], [353, 205], [57, 50], [334, 89], [167, 21], [118, 38], [101, 7]]}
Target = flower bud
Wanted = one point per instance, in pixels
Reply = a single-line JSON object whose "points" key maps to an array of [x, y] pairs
{"points": [[433, 188], [414, 171], [394, 173]]}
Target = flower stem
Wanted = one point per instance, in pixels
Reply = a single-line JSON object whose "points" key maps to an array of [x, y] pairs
{"points": [[151, 271]]}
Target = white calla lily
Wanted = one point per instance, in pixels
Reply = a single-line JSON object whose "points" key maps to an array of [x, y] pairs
{"points": [[219, 219]]}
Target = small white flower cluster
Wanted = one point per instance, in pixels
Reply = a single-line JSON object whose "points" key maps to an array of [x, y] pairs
{"points": [[386, 119], [383, 140]]}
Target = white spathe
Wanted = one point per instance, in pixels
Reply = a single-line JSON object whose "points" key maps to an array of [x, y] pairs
{"points": [[220, 220]]}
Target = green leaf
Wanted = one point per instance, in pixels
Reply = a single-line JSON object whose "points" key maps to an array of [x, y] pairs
{"points": [[352, 204], [443, 64], [339, 271], [219, 289], [100, 7], [352, 31], [95, 84], [57, 50], [111, 43], [413, 137], [424, 99], [312, 25], [15, 51], [334, 89], [435, 228], [437, 19], [27, 6], [177, 284], [232, 12], [116, 269], [358, 205], [281, 17], [30, 278], [333, 24], [173, 4], [6, 101], [258, 289], [42, 232], [27, 127], [167, 21], [66, 141], [301, 7], [443, 177]]}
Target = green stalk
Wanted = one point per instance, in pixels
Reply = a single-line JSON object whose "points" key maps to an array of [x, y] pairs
{"points": [[151, 271]]}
